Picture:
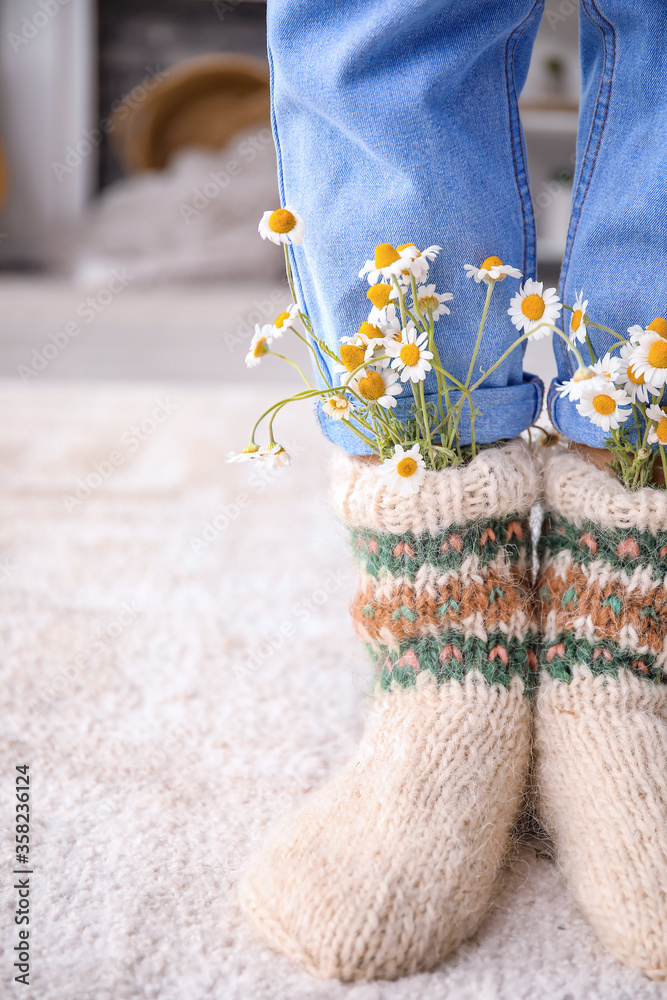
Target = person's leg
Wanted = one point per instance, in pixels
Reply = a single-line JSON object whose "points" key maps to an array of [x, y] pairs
{"points": [[617, 239], [601, 723], [397, 122]]}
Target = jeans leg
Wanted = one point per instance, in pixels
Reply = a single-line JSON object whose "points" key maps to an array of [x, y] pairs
{"points": [[396, 121], [618, 229]]}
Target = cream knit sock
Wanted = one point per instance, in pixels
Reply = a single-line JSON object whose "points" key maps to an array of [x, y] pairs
{"points": [[601, 711], [393, 863]]}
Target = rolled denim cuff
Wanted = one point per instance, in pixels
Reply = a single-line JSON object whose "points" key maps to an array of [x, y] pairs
{"points": [[504, 412], [569, 422]]}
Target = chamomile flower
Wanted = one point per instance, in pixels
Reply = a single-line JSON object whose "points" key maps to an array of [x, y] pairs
{"points": [[380, 387], [404, 471], [260, 344], [649, 358], [490, 270], [250, 453], [276, 456], [658, 431], [582, 379], [284, 225], [411, 354], [285, 321], [371, 338], [532, 307], [386, 264], [604, 405], [430, 301], [382, 297], [337, 407], [351, 354], [635, 385], [578, 319], [416, 262], [608, 368]]}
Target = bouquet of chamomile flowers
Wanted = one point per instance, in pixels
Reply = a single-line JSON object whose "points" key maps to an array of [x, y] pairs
{"points": [[395, 347]]}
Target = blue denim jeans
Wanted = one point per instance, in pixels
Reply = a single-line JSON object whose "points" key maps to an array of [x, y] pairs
{"points": [[396, 121]]}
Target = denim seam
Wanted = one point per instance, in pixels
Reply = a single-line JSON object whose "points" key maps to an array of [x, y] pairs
{"points": [[516, 136], [587, 162]]}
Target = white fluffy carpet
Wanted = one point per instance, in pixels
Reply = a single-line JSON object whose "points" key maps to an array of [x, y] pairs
{"points": [[159, 747]]}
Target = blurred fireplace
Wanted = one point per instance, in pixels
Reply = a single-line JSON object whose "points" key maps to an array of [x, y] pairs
{"points": [[138, 39]]}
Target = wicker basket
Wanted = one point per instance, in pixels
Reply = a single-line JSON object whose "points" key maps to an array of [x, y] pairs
{"points": [[201, 102]]}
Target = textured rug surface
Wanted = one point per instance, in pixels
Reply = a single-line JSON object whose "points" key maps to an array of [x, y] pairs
{"points": [[178, 670]]}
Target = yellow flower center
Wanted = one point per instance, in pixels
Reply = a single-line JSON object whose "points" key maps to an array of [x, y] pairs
{"points": [[410, 354], [279, 320], [379, 295], [385, 254], [250, 449], [659, 325], [261, 347], [533, 306], [371, 386], [604, 404], [351, 356], [576, 319], [428, 303], [282, 221], [406, 246], [491, 262], [371, 332], [657, 354], [634, 377], [407, 467], [661, 431], [340, 402]]}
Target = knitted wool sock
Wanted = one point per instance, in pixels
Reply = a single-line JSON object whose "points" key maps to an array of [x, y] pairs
{"points": [[601, 719], [393, 863]]}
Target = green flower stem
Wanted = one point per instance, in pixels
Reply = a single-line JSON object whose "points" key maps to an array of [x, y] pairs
{"points": [[293, 364], [288, 268], [663, 459], [489, 293], [426, 425], [315, 357], [401, 301], [598, 326], [590, 349], [520, 340], [415, 300]]}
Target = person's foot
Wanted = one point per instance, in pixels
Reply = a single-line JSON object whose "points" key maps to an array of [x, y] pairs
{"points": [[601, 710], [393, 863]]}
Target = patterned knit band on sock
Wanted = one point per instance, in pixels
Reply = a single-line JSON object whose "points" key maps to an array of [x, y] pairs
{"points": [[393, 862], [603, 560], [445, 577], [601, 706]]}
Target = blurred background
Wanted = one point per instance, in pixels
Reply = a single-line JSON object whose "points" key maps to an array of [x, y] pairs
{"points": [[137, 161]]}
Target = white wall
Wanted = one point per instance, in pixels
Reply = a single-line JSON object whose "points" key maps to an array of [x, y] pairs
{"points": [[47, 102]]}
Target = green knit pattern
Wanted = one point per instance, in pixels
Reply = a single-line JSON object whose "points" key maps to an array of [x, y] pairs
{"points": [[458, 621], [590, 574]]}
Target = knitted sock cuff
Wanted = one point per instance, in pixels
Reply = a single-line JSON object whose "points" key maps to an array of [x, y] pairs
{"points": [[445, 576], [496, 483], [603, 568]]}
